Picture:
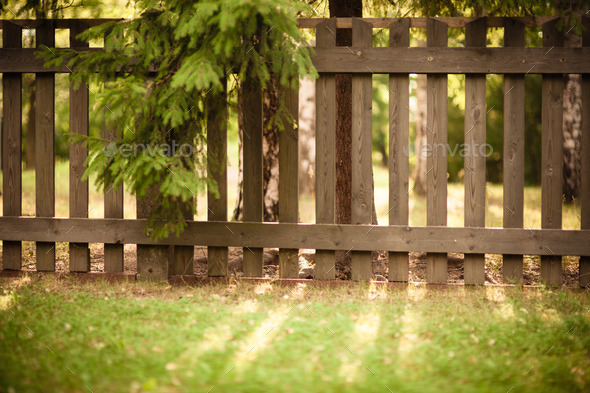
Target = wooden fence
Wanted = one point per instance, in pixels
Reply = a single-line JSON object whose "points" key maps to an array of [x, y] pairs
{"points": [[362, 61]]}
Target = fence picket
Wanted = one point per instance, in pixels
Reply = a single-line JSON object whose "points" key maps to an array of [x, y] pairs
{"points": [[475, 161], [436, 162], [552, 155], [362, 140], [44, 147], [585, 169], [11, 146], [399, 125], [513, 151], [79, 252], [325, 150], [289, 182]]}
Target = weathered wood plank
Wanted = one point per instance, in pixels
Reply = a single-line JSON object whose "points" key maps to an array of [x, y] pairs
{"points": [[319, 236], [44, 147], [325, 151], [585, 169], [552, 155], [113, 208], [362, 166], [392, 60], [79, 252], [475, 162], [217, 170], [383, 23], [399, 172], [11, 147], [252, 162], [513, 152], [289, 182], [436, 162]]}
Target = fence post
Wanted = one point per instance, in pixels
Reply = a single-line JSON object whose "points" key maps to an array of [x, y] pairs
{"points": [[325, 153], [436, 162], [585, 170], [11, 146], [475, 161], [552, 155], [217, 170], [399, 172], [45, 146], [362, 152], [79, 252], [513, 151], [289, 180]]}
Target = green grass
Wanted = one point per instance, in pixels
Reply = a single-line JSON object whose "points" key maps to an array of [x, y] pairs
{"points": [[61, 335]]}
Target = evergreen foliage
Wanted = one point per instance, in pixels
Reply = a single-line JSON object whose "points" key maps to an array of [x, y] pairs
{"points": [[163, 72]]}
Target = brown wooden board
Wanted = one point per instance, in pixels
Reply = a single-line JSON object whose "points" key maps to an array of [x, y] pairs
{"points": [[362, 140], [289, 181], [11, 147], [325, 151], [513, 152], [399, 172], [436, 162], [79, 252], [552, 155], [399, 238], [45, 147], [585, 169], [252, 169], [475, 162], [217, 170]]}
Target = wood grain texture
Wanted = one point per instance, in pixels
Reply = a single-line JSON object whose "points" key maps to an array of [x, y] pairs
{"points": [[514, 94], [79, 252], [253, 198], [362, 166], [325, 151], [399, 172], [44, 147], [318, 236], [11, 147], [390, 60], [113, 208], [552, 155], [475, 162], [289, 181], [217, 170], [436, 162], [585, 168]]}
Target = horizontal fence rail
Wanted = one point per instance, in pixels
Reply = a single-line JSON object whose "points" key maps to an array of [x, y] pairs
{"points": [[174, 256]]}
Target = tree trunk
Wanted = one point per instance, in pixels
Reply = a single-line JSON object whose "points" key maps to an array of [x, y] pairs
{"points": [[419, 173], [572, 127], [306, 136]]}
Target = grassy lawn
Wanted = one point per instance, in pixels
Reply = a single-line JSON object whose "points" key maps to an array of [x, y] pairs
{"points": [[61, 335]]}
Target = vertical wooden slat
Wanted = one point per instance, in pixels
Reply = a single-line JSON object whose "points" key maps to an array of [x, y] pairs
{"points": [[325, 150], [399, 125], [475, 161], [362, 166], [289, 181], [436, 162], [253, 195], [79, 252], [552, 155], [44, 146], [11, 146], [513, 151], [113, 208], [585, 169], [217, 170]]}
